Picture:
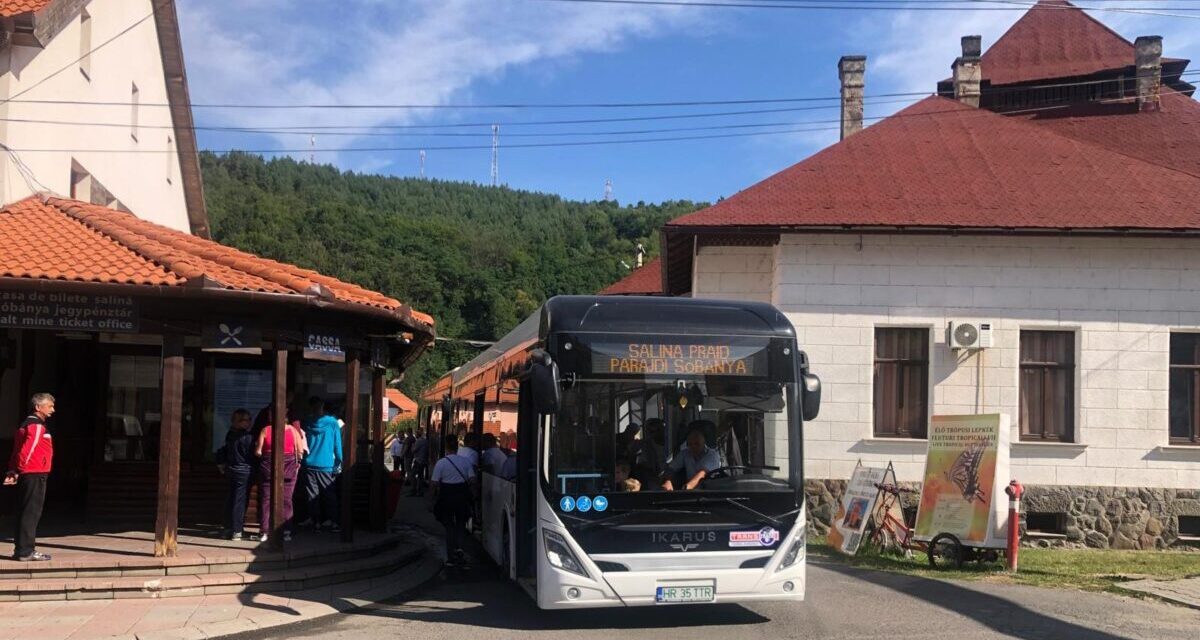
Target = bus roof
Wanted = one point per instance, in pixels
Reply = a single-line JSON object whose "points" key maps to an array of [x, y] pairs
{"points": [[620, 314], [663, 315]]}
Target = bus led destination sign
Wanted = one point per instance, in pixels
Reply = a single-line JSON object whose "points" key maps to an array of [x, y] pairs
{"points": [[677, 359]]}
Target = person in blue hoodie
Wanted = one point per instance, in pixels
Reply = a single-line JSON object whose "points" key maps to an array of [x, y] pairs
{"points": [[322, 466]]}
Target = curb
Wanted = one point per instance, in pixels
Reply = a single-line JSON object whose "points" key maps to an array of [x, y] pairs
{"points": [[1128, 589], [423, 567]]}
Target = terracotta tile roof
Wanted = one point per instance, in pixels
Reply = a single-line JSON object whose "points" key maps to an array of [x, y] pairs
{"points": [[401, 401], [939, 163], [645, 280], [10, 8], [62, 239]]}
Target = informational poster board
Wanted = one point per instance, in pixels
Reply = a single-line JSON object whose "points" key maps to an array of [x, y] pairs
{"points": [[966, 470], [234, 389], [855, 509]]}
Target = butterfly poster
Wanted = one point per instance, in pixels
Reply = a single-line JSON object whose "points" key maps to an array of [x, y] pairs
{"points": [[966, 468]]}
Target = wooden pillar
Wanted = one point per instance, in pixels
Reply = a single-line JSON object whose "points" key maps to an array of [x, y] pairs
{"points": [[349, 445], [278, 440], [166, 527], [379, 515]]}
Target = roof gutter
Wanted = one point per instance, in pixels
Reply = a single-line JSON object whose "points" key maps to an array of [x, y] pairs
{"points": [[930, 230]]}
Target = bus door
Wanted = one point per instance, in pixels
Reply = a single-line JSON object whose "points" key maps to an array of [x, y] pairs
{"points": [[527, 438]]}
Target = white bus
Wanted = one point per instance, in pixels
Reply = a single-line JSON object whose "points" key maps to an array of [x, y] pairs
{"points": [[593, 400]]}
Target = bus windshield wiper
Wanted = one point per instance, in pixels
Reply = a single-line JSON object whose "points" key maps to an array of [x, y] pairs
{"points": [[587, 524], [754, 466], [733, 501]]}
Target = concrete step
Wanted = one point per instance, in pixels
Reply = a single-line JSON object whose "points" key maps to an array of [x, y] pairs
{"points": [[298, 577], [229, 560]]}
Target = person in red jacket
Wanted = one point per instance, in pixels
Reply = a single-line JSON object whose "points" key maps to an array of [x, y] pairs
{"points": [[28, 468]]}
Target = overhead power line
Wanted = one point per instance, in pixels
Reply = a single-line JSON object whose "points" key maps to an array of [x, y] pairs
{"points": [[544, 105], [418, 130], [534, 145], [821, 5], [497, 105], [373, 132]]}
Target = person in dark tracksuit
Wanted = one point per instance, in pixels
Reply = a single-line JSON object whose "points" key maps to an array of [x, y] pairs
{"points": [[28, 468], [420, 461], [237, 459], [322, 466]]}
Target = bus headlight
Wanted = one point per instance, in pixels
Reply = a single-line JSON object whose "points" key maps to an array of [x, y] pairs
{"points": [[558, 553], [794, 552]]}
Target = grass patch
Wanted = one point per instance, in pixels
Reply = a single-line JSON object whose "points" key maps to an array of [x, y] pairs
{"points": [[1086, 569]]}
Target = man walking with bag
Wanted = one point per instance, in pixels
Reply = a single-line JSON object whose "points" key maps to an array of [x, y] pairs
{"points": [[28, 468], [452, 480]]}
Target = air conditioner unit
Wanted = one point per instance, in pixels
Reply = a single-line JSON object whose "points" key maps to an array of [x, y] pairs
{"points": [[970, 335]]}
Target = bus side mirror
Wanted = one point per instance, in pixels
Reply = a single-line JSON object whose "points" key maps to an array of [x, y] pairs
{"points": [[810, 395], [547, 394]]}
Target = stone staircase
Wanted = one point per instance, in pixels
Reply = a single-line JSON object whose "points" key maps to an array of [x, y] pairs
{"points": [[219, 571]]}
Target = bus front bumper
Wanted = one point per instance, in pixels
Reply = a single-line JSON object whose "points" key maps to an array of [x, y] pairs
{"points": [[639, 588]]}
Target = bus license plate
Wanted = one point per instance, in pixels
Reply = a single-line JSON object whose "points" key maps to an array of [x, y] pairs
{"points": [[684, 593]]}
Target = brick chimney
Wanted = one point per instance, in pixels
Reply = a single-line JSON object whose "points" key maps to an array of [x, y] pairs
{"points": [[851, 70], [967, 72], [1147, 61]]}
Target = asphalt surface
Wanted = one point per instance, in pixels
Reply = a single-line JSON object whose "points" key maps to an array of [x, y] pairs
{"points": [[475, 603]]}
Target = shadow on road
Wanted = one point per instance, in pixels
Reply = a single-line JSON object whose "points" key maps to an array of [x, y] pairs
{"points": [[478, 596], [1000, 614]]}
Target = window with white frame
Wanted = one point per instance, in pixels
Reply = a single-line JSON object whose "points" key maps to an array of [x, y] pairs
{"points": [[901, 397], [1048, 385], [85, 44], [134, 97], [1184, 394]]}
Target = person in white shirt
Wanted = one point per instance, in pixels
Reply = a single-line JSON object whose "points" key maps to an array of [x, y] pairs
{"points": [[469, 449], [397, 450], [493, 455], [451, 480]]}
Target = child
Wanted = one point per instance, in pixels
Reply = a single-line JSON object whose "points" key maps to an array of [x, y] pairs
{"points": [[631, 485], [621, 473]]}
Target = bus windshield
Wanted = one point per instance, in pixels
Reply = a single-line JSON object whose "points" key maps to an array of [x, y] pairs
{"points": [[623, 435]]}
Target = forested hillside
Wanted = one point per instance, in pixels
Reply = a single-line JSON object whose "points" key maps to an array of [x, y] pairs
{"points": [[479, 259]]}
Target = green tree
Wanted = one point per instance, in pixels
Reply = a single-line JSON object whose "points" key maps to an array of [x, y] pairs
{"points": [[479, 259]]}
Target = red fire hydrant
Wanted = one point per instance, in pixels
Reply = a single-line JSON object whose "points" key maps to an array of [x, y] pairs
{"points": [[1014, 491]]}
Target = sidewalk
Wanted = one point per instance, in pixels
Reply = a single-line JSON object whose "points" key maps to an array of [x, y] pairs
{"points": [[210, 616], [1185, 592]]}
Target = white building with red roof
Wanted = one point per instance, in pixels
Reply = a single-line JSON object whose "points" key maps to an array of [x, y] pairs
{"points": [[114, 300], [1049, 196], [94, 106]]}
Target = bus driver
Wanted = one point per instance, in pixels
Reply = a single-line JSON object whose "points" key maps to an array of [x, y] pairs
{"points": [[697, 460]]}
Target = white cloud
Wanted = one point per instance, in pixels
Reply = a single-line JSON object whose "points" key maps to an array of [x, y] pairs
{"points": [[372, 51]]}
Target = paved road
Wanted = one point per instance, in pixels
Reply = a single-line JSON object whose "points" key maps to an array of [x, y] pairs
{"points": [[470, 604]]}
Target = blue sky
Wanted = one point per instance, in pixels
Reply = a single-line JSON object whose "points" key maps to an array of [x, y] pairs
{"points": [[478, 52]]}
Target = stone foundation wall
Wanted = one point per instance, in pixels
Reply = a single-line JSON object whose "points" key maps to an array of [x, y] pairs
{"points": [[1097, 517]]}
